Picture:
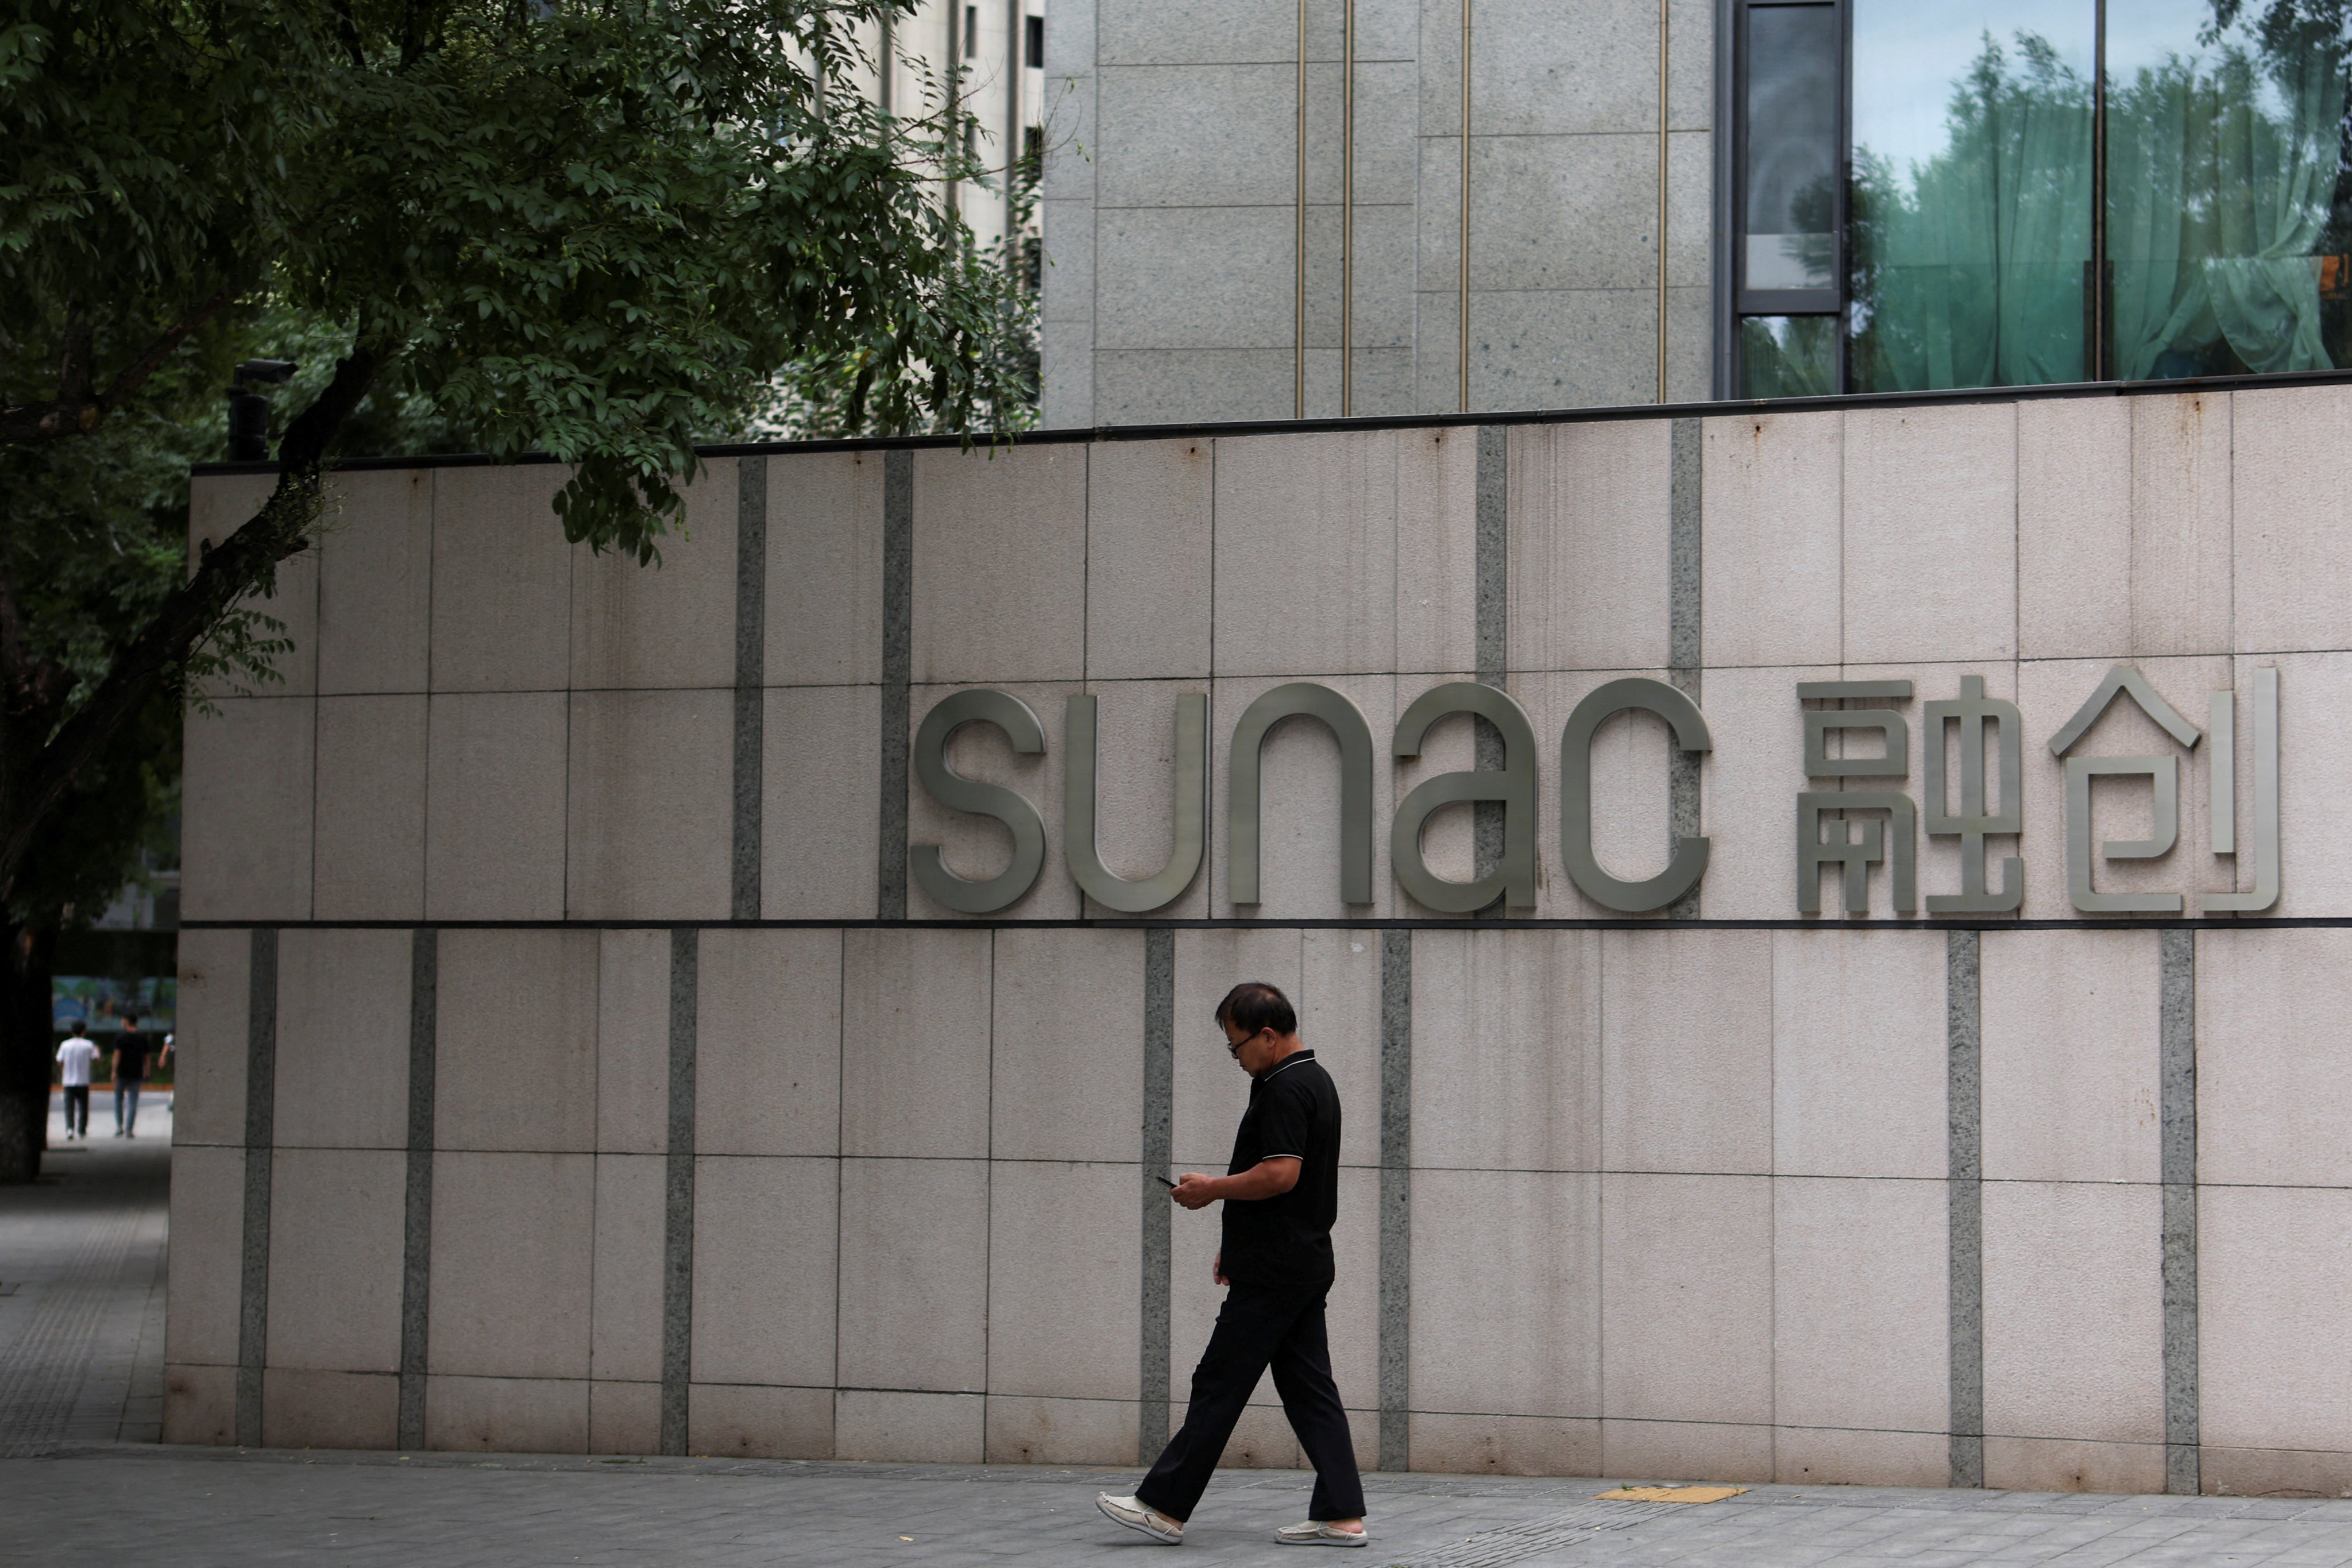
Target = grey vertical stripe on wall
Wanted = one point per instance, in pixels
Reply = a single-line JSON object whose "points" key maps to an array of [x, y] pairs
{"points": [[751, 667], [2176, 1060], [1963, 1033], [1494, 524], [260, 1138], [898, 663], [417, 1253], [1396, 1200], [1159, 1155], [1686, 531], [1493, 638], [677, 1230]]}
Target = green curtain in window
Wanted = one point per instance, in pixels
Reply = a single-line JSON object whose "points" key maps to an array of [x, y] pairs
{"points": [[2222, 175], [1969, 267]]}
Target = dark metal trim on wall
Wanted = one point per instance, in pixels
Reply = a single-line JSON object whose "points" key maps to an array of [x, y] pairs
{"points": [[1432, 923], [1734, 300], [1212, 430], [1719, 312]]}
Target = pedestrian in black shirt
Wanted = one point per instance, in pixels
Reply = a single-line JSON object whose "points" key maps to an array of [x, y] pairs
{"points": [[130, 1072], [1281, 1193]]}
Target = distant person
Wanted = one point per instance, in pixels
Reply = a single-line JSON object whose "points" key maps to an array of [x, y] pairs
{"points": [[75, 1057], [130, 1050], [1281, 1193]]}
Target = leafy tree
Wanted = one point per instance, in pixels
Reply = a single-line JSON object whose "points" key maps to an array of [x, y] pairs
{"points": [[596, 228]]}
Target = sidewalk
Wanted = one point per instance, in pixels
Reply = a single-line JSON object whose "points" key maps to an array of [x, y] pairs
{"points": [[82, 1285], [156, 1506]]}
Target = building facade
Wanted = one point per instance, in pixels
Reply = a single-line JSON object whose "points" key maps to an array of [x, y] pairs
{"points": [[998, 50], [1830, 925], [1259, 211]]}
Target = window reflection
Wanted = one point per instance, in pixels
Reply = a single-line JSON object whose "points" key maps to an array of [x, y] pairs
{"points": [[1972, 240], [1971, 193], [2226, 187], [1791, 172], [1788, 356]]}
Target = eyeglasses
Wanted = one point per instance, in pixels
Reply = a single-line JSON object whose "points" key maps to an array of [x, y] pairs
{"points": [[1234, 1046]]}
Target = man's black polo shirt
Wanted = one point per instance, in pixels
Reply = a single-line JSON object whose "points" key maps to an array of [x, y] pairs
{"points": [[1294, 1109]]}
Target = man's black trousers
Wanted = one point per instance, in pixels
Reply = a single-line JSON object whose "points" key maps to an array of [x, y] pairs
{"points": [[1262, 1325]]}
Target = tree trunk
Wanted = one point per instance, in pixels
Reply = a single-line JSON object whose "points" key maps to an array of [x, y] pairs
{"points": [[26, 961]]}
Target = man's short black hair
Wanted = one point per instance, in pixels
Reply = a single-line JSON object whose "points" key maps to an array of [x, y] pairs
{"points": [[1252, 1005]]}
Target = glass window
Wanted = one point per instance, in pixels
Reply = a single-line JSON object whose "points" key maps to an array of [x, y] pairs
{"points": [[1971, 193], [2227, 209], [1981, 205], [1790, 158], [1788, 356]]}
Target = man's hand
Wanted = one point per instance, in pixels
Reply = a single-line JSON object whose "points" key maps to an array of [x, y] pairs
{"points": [[1217, 1269], [1194, 1190]]}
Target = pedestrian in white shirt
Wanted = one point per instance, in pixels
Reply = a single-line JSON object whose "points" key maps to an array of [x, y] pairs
{"points": [[76, 1055]]}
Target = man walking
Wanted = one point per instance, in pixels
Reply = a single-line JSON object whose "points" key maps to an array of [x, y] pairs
{"points": [[74, 1058], [130, 1072], [1281, 1193]]}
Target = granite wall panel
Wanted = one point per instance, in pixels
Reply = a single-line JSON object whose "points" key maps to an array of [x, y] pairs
{"points": [[1623, 1193]]}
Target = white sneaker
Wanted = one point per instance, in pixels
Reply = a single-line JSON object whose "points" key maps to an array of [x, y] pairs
{"points": [[1137, 1514], [1316, 1532]]}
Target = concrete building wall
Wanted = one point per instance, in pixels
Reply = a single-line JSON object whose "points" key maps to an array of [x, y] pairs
{"points": [[1173, 207], [568, 1062]]}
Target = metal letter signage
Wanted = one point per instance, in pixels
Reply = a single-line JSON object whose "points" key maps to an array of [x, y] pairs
{"points": [[1513, 880], [1689, 861], [1813, 851], [2124, 679], [1305, 700], [951, 789], [1893, 761], [1079, 790], [1973, 712], [2163, 773], [1847, 830], [2266, 795]]}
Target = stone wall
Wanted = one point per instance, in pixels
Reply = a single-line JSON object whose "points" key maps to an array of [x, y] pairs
{"points": [[1171, 192], [570, 1063]]}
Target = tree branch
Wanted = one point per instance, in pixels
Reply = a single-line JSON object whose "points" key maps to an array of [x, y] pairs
{"points": [[32, 691], [136, 373], [73, 363], [280, 529], [77, 412], [351, 34]]}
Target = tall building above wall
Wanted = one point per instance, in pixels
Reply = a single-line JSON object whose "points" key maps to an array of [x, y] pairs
{"points": [[999, 46], [1174, 206]]}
